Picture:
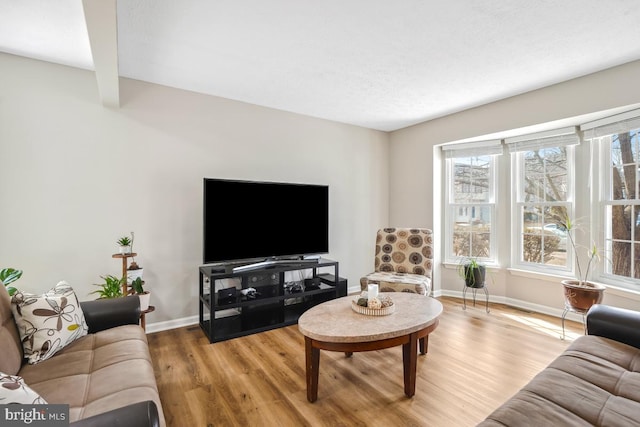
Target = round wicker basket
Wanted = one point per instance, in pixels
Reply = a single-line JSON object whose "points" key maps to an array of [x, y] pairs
{"points": [[372, 311]]}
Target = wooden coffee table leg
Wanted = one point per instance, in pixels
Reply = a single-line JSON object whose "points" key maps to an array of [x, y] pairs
{"points": [[312, 360], [424, 344], [409, 364]]}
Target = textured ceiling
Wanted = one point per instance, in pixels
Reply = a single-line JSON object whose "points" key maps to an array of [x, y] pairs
{"points": [[373, 63]]}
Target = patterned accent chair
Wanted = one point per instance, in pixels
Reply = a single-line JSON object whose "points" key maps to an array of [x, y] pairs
{"points": [[403, 261]]}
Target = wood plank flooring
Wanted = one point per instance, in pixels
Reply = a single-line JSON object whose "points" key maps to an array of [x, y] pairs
{"points": [[475, 362]]}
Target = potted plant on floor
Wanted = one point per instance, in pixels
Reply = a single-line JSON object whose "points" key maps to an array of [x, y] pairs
{"points": [[8, 276], [580, 294], [111, 288], [145, 296]]}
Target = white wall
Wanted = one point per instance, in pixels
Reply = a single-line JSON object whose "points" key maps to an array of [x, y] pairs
{"points": [[415, 184], [75, 176]]}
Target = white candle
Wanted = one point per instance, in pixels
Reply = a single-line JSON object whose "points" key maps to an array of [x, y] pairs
{"points": [[372, 291]]}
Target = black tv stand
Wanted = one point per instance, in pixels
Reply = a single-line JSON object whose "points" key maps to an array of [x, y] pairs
{"points": [[267, 263], [277, 302]]}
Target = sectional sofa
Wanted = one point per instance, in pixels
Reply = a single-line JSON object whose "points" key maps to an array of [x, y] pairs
{"points": [[595, 382], [104, 374]]}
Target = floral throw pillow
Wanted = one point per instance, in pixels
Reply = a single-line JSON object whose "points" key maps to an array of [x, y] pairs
{"points": [[14, 390], [48, 322]]}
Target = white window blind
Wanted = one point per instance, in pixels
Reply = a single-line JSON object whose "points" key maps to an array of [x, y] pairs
{"points": [[547, 139], [472, 149], [620, 123]]}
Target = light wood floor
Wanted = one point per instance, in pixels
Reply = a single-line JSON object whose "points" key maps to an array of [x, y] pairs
{"points": [[475, 362]]}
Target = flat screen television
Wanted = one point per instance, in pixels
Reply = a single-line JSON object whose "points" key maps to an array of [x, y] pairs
{"points": [[255, 221]]}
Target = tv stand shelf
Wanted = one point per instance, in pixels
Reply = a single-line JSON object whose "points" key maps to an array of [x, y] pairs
{"points": [[278, 301]]}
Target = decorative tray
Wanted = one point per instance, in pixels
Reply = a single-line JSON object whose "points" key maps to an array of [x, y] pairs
{"points": [[372, 311]]}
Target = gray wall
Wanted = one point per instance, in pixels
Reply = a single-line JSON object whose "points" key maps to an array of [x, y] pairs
{"points": [[416, 178], [75, 176]]}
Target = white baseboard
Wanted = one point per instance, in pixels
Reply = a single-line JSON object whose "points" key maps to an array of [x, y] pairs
{"points": [[172, 324], [551, 311], [525, 305]]}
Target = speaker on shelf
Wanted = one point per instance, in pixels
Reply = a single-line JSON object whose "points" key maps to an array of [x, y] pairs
{"points": [[227, 294], [312, 283]]}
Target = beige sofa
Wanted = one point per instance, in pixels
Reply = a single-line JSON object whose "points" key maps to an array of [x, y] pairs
{"points": [[106, 377], [595, 382]]}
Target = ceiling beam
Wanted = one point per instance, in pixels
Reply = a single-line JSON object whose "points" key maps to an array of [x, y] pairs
{"points": [[102, 26]]}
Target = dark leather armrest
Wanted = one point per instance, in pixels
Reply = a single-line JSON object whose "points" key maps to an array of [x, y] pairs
{"points": [[615, 323], [141, 414], [104, 314]]}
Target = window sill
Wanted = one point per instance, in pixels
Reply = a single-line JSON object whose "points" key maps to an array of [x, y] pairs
{"points": [[455, 266], [611, 289], [537, 275], [623, 292], [631, 294]]}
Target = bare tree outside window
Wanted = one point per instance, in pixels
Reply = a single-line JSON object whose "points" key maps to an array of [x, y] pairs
{"points": [[543, 205], [622, 210]]}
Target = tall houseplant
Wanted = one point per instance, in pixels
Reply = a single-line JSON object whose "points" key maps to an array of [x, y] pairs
{"points": [[580, 294]]}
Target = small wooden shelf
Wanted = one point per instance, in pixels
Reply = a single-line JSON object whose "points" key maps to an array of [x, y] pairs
{"points": [[125, 286], [125, 265], [129, 255], [143, 321]]}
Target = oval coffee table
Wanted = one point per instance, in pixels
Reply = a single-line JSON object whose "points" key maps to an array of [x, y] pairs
{"points": [[334, 326]]}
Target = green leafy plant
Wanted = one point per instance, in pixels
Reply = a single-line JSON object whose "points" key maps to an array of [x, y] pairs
{"points": [[8, 276], [592, 252], [111, 288], [137, 285], [472, 272], [124, 241]]}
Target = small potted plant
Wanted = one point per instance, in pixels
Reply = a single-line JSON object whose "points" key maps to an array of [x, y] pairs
{"points": [[134, 272], [145, 296], [125, 245], [8, 276], [472, 272], [111, 288]]}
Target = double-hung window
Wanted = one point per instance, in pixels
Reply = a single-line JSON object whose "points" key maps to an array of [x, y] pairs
{"points": [[470, 200], [617, 141], [543, 199]]}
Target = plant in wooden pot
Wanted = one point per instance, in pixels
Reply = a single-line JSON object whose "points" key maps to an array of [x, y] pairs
{"points": [[8, 276], [145, 296], [580, 294], [111, 288]]}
